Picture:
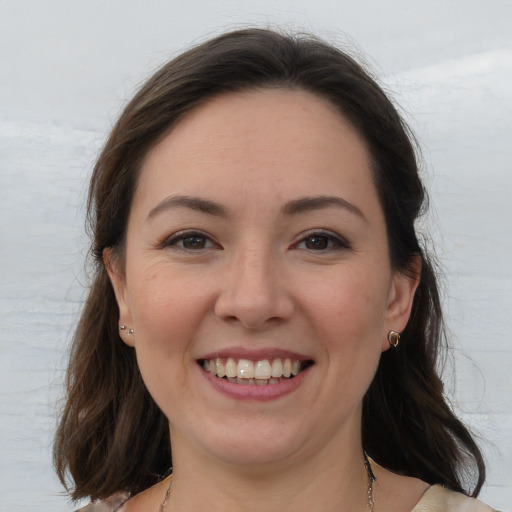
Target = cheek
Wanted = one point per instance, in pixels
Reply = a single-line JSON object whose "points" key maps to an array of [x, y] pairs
{"points": [[351, 304], [166, 306], [348, 314], [164, 321], [167, 313]]}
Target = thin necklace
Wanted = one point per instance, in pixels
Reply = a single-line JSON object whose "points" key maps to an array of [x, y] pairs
{"points": [[371, 479], [167, 493], [367, 465]]}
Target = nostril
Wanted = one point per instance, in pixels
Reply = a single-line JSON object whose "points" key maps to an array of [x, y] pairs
{"points": [[254, 302]]}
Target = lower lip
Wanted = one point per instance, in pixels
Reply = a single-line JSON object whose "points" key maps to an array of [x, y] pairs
{"points": [[256, 392]]}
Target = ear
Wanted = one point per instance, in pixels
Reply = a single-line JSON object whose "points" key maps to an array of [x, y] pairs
{"points": [[401, 296], [118, 280]]}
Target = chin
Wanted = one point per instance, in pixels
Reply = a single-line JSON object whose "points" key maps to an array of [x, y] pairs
{"points": [[255, 454], [253, 445]]}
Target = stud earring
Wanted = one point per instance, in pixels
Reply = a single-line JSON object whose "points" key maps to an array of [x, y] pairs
{"points": [[393, 338], [123, 328]]}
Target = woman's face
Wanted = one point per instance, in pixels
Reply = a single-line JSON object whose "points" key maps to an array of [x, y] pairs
{"points": [[256, 245]]}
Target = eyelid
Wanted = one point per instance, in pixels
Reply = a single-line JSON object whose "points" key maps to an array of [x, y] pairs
{"points": [[339, 241], [172, 240]]}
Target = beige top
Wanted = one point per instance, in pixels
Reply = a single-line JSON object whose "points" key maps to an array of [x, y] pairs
{"points": [[435, 499], [439, 499]]}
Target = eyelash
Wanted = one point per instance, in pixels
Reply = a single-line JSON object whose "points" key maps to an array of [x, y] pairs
{"points": [[181, 236], [336, 242]]}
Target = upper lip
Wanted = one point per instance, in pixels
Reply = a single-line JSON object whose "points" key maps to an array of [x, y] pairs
{"points": [[255, 354]]}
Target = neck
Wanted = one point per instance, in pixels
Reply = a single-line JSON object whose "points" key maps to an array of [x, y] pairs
{"points": [[329, 480]]}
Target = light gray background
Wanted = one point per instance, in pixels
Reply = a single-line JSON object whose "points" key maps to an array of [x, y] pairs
{"points": [[66, 69]]}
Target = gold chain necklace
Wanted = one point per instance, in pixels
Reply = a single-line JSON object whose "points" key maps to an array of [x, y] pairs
{"points": [[371, 479], [167, 493], [367, 465]]}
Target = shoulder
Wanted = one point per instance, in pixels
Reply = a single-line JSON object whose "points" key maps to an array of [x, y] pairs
{"points": [[439, 499], [112, 504], [149, 499]]}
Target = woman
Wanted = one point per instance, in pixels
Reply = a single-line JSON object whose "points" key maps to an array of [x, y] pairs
{"points": [[261, 308]]}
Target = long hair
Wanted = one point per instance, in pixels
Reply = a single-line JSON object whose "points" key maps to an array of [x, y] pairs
{"points": [[112, 436]]}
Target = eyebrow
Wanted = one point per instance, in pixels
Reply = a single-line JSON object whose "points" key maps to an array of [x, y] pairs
{"points": [[297, 206], [194, 203], [307, 204]]}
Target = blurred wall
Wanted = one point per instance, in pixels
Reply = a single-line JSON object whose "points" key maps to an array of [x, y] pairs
{"points": [[67, 68]]}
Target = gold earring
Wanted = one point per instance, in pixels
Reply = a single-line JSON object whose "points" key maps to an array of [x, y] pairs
{"points": [[393, 338]]}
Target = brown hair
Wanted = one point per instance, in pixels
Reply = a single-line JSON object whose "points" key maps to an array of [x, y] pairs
{"points": [[112, 436]]}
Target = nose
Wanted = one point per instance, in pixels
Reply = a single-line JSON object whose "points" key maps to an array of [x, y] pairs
{"points": [[254, 291]]}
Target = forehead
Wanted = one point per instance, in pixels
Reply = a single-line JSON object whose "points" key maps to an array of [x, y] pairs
{"points": [[286, 141], [272, 117]]}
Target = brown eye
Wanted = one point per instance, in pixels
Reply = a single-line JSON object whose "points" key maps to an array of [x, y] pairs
{"points": [[189, 241], [317, 242], [320, 241], [194, 242]]}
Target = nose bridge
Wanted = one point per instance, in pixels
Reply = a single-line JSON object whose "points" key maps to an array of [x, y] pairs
{"points": [[256, 269], [254, 290]]}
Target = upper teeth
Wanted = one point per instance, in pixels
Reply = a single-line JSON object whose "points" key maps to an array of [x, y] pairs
{"points": [[247, 369]]}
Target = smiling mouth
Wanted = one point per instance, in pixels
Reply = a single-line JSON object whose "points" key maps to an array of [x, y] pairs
{"points": [[260, 373]]}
